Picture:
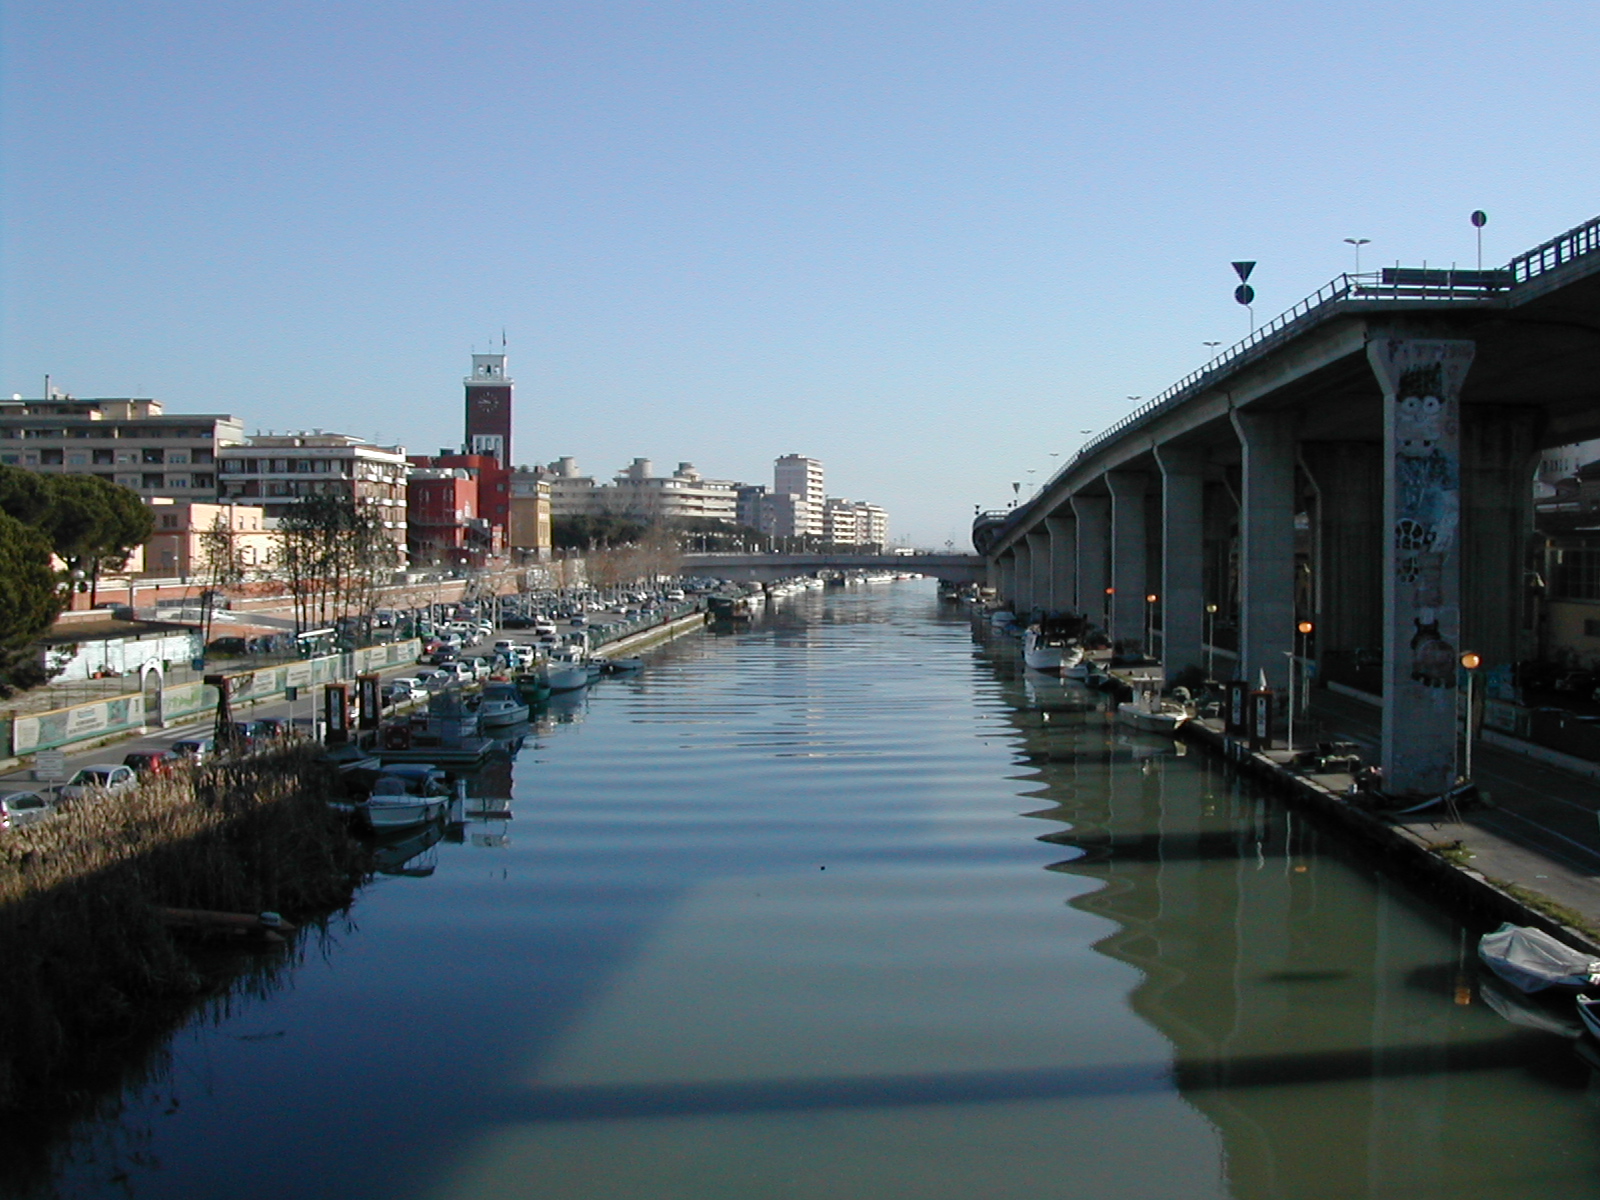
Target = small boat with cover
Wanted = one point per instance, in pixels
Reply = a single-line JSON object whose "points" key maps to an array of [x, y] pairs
{"points": [[1530, 960]]}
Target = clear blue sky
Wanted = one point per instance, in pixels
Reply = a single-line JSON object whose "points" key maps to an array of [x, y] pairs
{"points": [[926, 243]]}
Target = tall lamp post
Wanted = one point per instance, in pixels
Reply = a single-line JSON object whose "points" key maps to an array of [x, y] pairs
{"points": [[1211, 641], [1358, 243], [1110, 592], [1302, 631], [1150, 624], [1470, 661]]}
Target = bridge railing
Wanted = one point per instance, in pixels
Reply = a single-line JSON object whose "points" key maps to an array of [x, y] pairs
{"points": [[1574, 243]]}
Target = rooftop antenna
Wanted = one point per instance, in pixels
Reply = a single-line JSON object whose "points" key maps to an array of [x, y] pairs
{"points": [[502, 337]]}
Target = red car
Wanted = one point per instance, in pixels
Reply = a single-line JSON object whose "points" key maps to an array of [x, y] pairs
{"points": [[151, 762]]}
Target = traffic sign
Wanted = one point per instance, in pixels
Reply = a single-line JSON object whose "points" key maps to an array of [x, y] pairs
{"points": [[1244, 294], [1243, 269], [1480, 218], [49, 766]]}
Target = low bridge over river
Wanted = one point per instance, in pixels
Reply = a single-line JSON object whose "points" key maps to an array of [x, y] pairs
{"points": [[765, 568], [1363, 463]]}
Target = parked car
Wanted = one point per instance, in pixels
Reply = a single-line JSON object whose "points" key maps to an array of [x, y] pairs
{"points": [[196, 750], [158, 763], [100, 779], [272, 729], [228, 647], [21, 809]]}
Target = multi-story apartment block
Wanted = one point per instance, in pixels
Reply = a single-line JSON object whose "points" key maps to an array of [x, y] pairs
{"points": [[800, 477], [275, 470], [571, 494], [855, 524], [685, 495], [129, 441], [754, 509]]}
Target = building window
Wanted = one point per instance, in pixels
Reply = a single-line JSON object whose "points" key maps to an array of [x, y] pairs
{"points": [[153, 455], [150, 480], [104, 457], [1577, 573], [205, 481], [169, 521], [177, 481], [49, 458], [77, 460], [9, 460], [203, 456], [178, 456]]}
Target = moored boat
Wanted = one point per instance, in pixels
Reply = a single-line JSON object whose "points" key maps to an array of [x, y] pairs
{"points": [[399, 801], [1152, 712], [1052, 644], [501, 704], [1530, 960]]}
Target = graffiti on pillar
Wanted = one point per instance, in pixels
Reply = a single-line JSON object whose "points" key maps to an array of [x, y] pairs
{"points": [[1427, 512], [1422, 381]]}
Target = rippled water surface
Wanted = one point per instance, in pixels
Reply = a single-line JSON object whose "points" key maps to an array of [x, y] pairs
{"points": [[844, 906]]}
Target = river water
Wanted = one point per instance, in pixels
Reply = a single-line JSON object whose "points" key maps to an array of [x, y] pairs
{"points": [[847, 906]]}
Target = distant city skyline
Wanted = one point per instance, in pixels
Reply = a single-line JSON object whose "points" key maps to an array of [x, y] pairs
{"points": [[929, 243]]}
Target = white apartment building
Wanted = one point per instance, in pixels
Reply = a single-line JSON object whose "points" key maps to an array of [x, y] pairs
{"points": [[275, 470], [685, 495], [799, 477], [129, 441], [638, 492], [854, 523]]}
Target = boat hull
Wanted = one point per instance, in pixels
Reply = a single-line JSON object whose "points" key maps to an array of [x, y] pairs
{"points": [[402, 813]]}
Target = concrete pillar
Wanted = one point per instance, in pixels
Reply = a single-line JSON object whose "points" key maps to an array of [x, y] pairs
{"points": [[1094, 542], [1266, 545], [1421, 381], [1022, 584], [1005, 588], [1128, 556], [1183, 488], [1044, 565], [1348, 564], [1499, 449], [1063, 563]]}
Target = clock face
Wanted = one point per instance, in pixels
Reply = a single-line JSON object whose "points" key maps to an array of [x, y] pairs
{"points": [[488, 402]]}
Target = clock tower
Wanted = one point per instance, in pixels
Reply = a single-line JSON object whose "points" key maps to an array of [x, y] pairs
{"points": [[488, 426]]}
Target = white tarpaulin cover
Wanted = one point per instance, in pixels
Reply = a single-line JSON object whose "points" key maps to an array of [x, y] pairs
{"points": [[1531, 960]]}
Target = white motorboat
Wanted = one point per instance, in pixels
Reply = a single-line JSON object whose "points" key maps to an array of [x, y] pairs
{"points": [[393, 805], [1530, 960], [567, 671], [502, 704], [1151, 712], [1052, 644]]}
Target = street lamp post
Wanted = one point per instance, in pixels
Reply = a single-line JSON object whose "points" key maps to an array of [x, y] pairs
{"points": [[1302, 631], [1471, 661], [1358, 243], [1110, 592], [1150, 624], [1211, 641]]}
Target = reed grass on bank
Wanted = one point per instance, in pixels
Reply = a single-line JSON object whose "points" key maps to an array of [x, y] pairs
{"points": [[82, 953]]}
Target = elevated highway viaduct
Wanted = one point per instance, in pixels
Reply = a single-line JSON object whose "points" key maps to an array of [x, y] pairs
{"points": [[1363, 463]]}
